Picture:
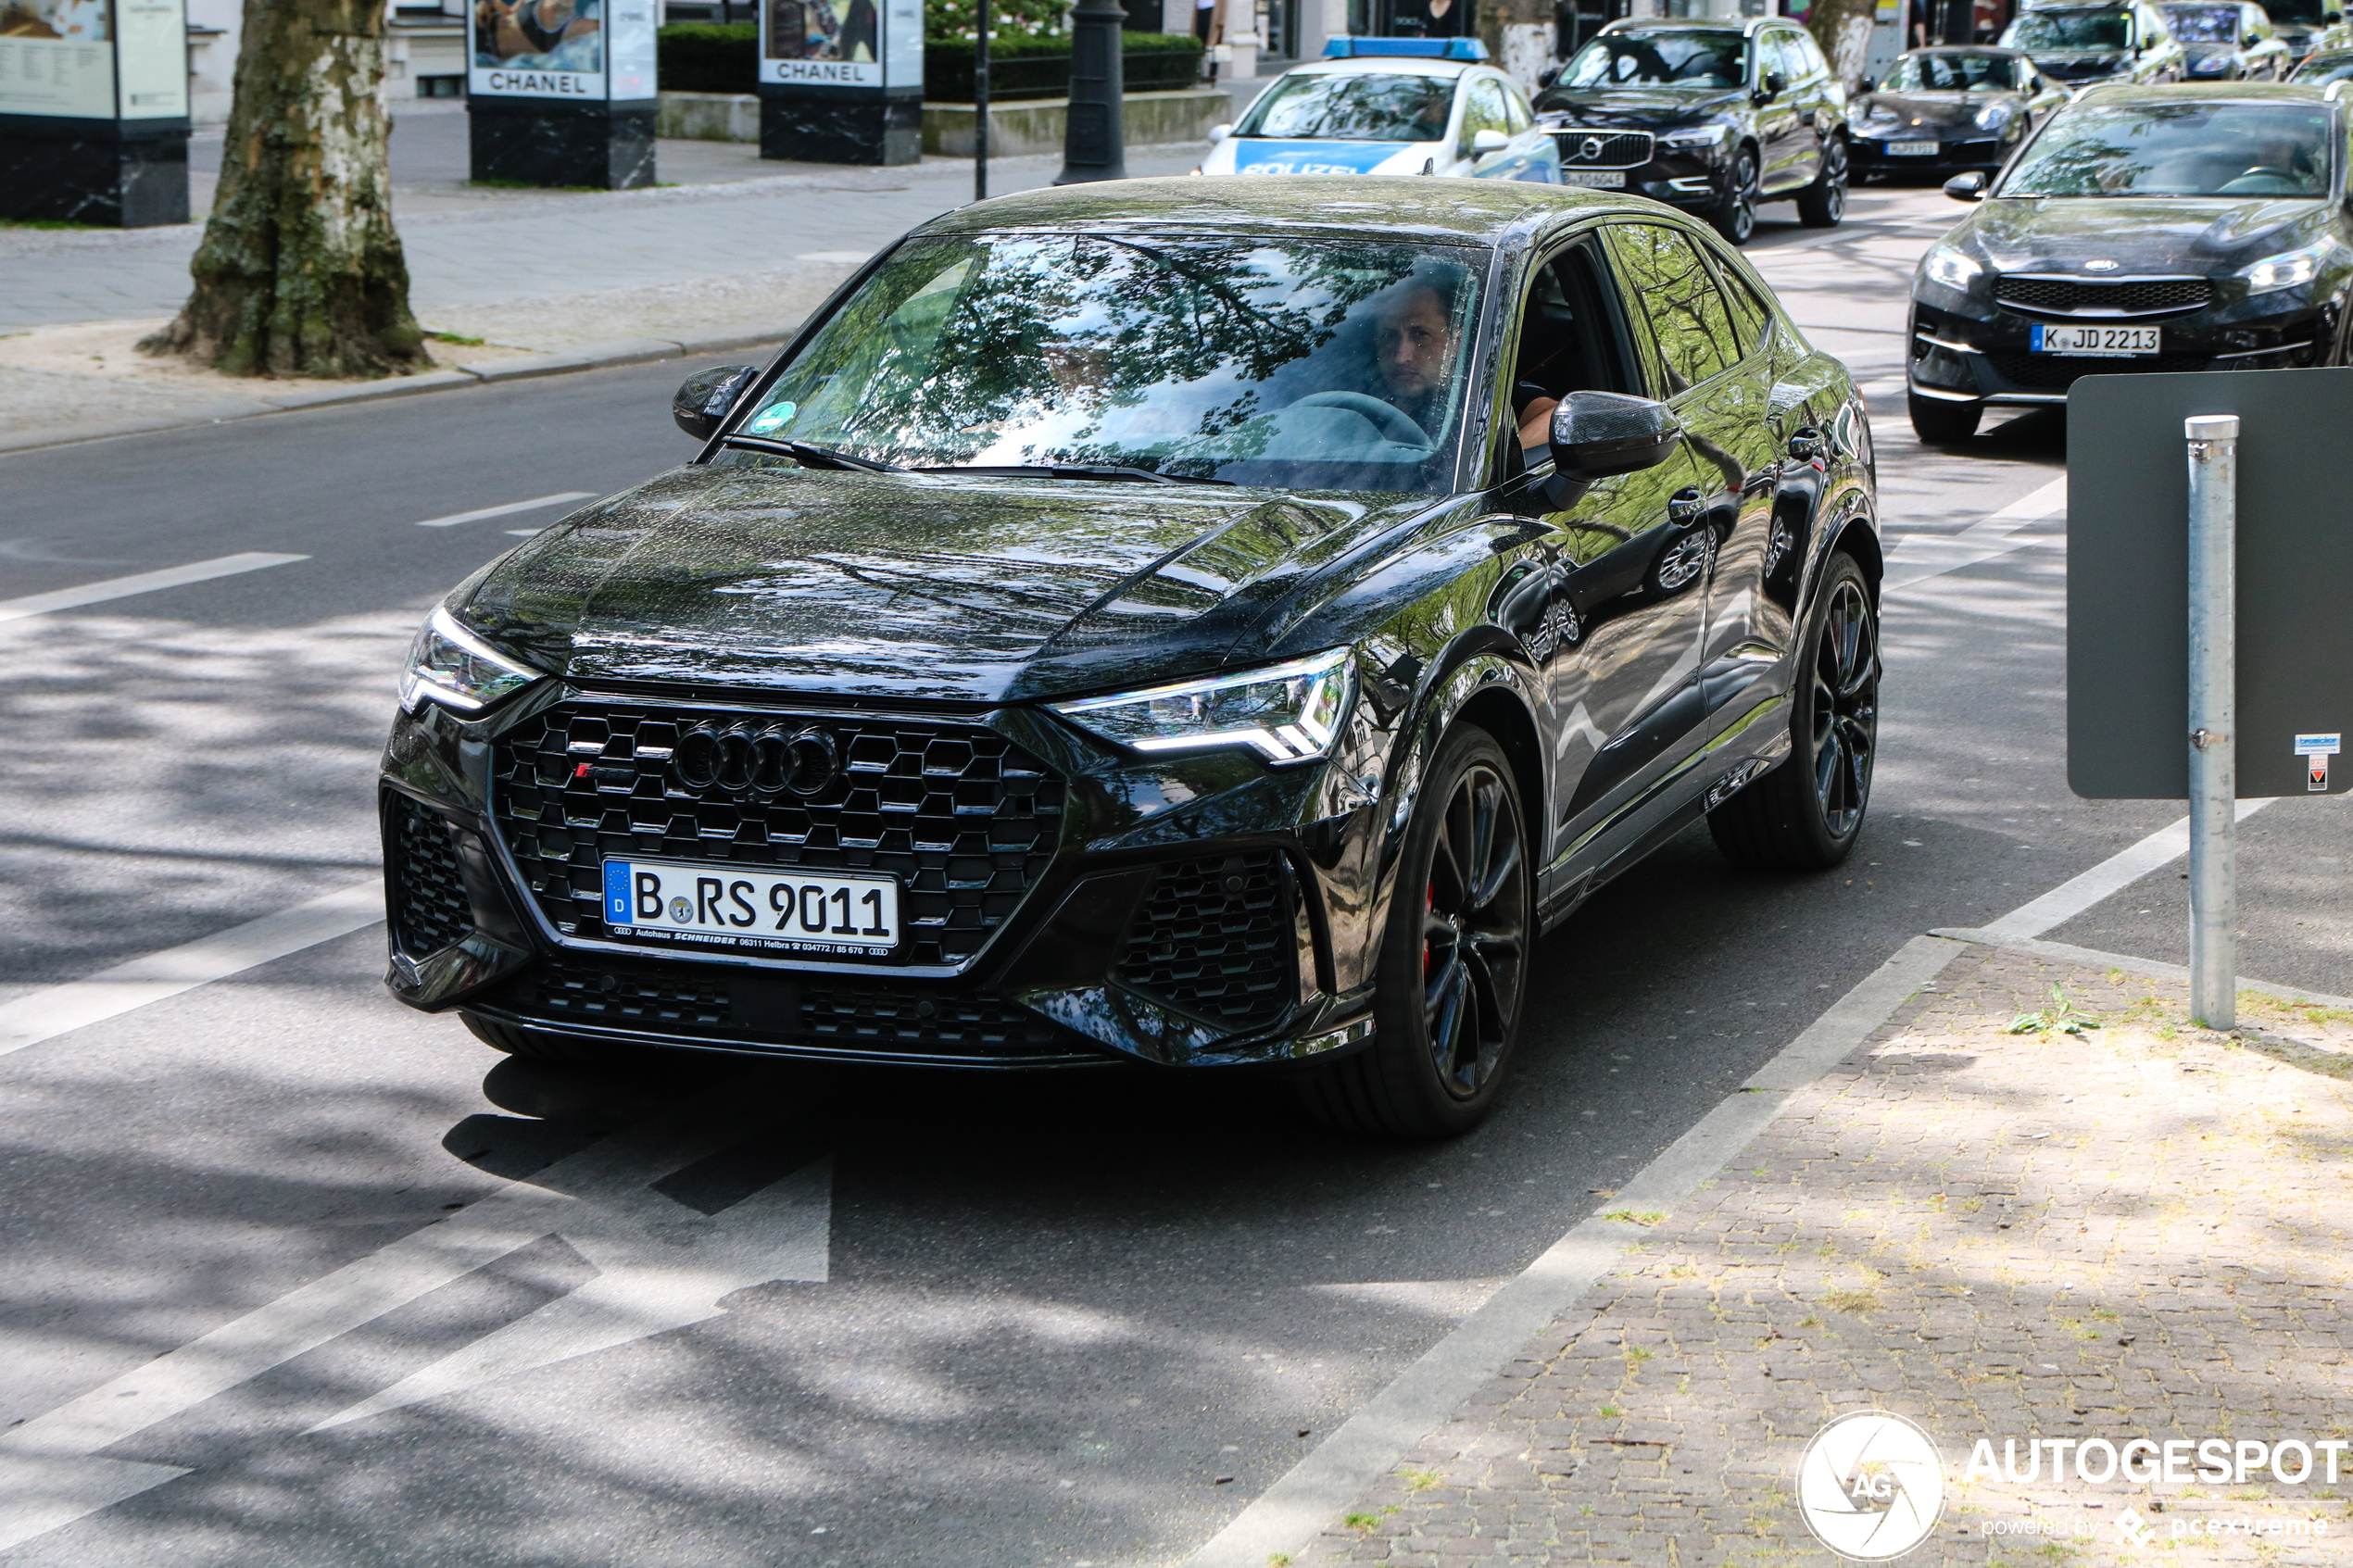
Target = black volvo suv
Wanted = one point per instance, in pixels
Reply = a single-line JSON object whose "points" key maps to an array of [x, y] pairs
{"points": [[1712, 117], [1202, 624]]}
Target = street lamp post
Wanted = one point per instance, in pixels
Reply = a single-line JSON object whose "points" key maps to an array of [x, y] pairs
{"points": [[1095, 146], [980, 109]]}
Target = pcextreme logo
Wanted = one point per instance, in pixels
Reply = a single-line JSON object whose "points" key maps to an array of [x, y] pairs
{"points": [[1870, 1485]]}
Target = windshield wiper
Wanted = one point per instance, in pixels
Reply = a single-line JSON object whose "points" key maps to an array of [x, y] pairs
{"points": [[1105, 472], [811, 455]]}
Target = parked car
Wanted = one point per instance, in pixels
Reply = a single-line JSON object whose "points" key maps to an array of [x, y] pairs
{"points": [[2322, 68], [1712, 117], [1943, 111], [1389, 106], [2228, 41], [2307, 26], [2185, 228], [2078, 45], [1196, 625]]}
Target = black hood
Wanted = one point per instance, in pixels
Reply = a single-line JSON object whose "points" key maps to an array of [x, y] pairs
{"points": [[1640, 108], [2140, 234], [1928, 111], [946, 589]]}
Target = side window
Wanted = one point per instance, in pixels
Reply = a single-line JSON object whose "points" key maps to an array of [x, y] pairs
{"points": [[1516, 110], [1804, 46], [1750, 316], [1791, 47], [1483, 110], [1668, 287]]}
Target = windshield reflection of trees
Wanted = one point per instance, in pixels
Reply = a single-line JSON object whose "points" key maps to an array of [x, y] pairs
{"points": [[1172, 357], [2175, 149]]}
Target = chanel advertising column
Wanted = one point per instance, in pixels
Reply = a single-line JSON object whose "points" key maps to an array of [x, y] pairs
{"points": [[94, 111], [841, 80], [561, 91]]}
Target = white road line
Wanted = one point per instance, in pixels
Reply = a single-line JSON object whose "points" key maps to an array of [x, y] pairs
{"points": [[1918, 557], [50, 1470], [2112, 876], [560, 497], [1291, 1512], [54, 1010], [142, 583]]}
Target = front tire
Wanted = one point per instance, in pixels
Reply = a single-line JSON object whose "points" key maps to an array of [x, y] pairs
{"points": [[1805, 814], [1735, 216], [1822, 204], [1453, 968], [1938, 423]]}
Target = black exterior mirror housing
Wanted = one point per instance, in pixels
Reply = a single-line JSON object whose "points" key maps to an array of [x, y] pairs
{"points": [[1774, 84], [1968, 187], [702, 405], [1868, 84], [1596, 434]]}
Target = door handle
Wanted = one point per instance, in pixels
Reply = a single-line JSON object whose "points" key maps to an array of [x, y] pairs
{"points": [[1684, 506]]}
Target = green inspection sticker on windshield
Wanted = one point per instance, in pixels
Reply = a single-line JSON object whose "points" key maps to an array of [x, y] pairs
{"points": [[774, 416]]}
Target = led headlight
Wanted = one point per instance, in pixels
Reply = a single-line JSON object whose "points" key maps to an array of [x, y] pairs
{"points": [[1695, 136], [1286, 713], [450, 665], [2288, 269], [1947, 266], [1993, 116]]}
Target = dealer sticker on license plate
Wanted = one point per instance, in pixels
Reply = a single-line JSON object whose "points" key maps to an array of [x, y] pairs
{"points": [[1595, 179], [705, 906], [2095, 340], [1911, 149]]}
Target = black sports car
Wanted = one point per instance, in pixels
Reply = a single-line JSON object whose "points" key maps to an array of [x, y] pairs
{"points": [[1941, 111], [1712, 117], [1196, 622], [2182, 228]]}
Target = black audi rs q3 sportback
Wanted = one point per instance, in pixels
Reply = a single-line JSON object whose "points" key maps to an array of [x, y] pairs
{"points": [[1205, 623], [2187, 227]]}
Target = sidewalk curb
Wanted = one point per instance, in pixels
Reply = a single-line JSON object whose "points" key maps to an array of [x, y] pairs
{"points": [[2152, 969], [591, 356], [1305, 1500]]}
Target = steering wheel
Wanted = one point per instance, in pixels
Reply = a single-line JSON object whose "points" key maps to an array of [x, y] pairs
{"points": [[2267, 171], [1392, 421]]}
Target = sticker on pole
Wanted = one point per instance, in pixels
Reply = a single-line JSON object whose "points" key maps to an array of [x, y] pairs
{"points": [[1870, 1485], [2316, 776], [2317, 746]]}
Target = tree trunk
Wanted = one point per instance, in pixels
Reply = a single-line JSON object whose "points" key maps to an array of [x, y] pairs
{"points": [[300, 273]]}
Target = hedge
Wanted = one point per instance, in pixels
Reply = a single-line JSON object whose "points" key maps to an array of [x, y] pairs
{"points": [[720, 58]]}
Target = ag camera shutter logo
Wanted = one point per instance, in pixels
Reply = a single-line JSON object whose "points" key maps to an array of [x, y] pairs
{"points": [[1870, 1485]]}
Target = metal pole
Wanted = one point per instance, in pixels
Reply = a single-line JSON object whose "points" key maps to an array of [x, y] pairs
{"points": [[2214, 481], [980, 109], [1095, 141]]}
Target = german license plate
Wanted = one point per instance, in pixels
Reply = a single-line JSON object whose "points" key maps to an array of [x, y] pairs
{"points": [[704, 906], [1911, 149], [1597, 178], [2095, 340]]}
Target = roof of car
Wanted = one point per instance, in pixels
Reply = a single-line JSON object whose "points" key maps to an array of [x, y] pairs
{"points": [[1977, 49], [1399, 206], [1388, 65], [2207, 92], [1699, 24]]}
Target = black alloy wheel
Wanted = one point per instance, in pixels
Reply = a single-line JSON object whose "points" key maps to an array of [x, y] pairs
{"points": [[1823, 203], [1938, 423], [1735, 216], [1453, 969], [1805, 814]]}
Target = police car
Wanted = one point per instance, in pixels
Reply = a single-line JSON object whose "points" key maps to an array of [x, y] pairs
{"points": [[1389, 106]]}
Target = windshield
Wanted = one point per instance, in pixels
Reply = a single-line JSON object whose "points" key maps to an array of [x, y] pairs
{"points": [[2181, 149], [1952, 73], [2203, 24], [1285, 362], [1663, 59], [2303, 12], [1353, 108], [2071, 30], [2320, 71]]}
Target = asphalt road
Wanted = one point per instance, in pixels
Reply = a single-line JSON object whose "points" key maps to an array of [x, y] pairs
{"points": [[1020, 1321]]}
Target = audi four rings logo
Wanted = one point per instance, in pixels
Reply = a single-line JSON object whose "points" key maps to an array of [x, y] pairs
{"points": [[769, 761]]}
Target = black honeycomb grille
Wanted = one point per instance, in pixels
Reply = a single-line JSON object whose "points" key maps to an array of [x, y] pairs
{"points": [[1214, 940], [2069, 297], [750, 1007], [1602, 149], [2056, 372], [429, 910], [965, 819]]}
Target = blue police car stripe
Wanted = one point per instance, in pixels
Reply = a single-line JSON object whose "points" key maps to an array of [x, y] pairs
{"points": [[1313, 157]]}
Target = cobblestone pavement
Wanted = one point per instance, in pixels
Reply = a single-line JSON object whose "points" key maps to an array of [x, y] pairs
{"points": [[2124, 1233]]}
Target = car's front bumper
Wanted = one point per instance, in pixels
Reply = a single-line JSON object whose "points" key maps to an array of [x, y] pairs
{"points": [[1868, 156], [1956, 356], [1062, 905]]}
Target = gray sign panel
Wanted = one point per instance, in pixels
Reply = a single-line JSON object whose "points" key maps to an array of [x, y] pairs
{"points": [[2128, 580]]}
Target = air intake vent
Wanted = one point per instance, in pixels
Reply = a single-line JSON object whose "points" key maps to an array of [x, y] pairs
{"points": [[429, 908], [2082, 297], [1214, 940]]}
